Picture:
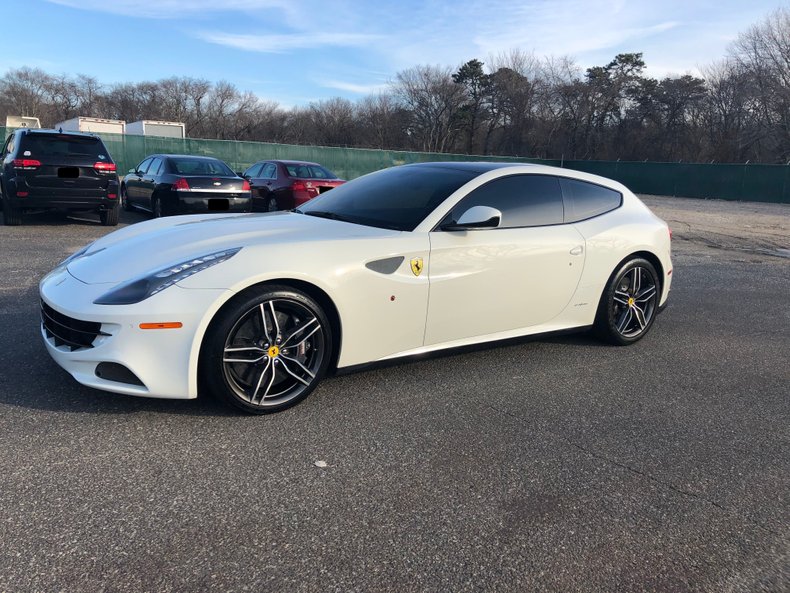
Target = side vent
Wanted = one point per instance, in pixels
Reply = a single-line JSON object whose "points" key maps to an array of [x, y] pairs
{"points": [[385, 266]]}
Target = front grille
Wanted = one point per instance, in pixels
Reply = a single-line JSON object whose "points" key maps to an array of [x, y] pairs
{"points": [[67, 331]]}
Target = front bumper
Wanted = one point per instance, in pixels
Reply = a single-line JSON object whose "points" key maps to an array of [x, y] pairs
{"points": [[164, 361]]}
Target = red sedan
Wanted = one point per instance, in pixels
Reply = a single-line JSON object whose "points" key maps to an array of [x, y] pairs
{"points": [[285, 185]]}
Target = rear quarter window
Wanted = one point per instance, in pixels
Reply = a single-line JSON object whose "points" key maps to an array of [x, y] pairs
{"points": [[585, 200]]}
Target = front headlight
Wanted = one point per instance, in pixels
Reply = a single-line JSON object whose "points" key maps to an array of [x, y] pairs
{"points": [[141, 288]]}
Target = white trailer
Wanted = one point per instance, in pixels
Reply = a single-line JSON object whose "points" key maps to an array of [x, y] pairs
{"points": [[96, 125], [150, 127], [22, 121]]}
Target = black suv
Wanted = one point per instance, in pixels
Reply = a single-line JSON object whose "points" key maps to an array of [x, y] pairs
{"points": [[47, 169]]}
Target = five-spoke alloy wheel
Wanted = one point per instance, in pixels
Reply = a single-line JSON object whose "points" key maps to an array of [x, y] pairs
{"points": [[629, 303], [267, 350]]}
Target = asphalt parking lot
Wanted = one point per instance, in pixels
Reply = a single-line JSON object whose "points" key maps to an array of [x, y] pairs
{"points": [[558, 464]]}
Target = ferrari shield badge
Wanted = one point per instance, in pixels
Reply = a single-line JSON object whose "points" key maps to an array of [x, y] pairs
{"points": [[416, 265]]}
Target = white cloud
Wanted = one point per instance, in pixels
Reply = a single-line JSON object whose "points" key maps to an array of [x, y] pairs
{"points": [[360, 89], [283, 43], [165, 9]]}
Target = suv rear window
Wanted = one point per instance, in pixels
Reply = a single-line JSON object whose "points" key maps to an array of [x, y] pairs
{"points": [[46, 145]]}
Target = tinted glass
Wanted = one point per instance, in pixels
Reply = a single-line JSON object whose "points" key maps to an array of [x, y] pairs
{"points": [[309, 172], [269, 171], [585, 200], [397, 198], [524, 200], [155, 168], [254, 171], [189, 166], [9, 145], [44, 145], [143, 167]]}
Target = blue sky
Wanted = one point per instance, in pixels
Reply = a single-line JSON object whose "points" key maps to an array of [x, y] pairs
{"points": [[297, 51]]}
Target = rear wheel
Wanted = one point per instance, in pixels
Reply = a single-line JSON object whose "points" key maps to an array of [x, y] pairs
{"points": [[629, 303], [267, 350], [109, 217], [11, 216], [271, 204]]}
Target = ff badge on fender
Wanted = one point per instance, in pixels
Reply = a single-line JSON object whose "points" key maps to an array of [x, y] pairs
{"points": [[416, 265]]}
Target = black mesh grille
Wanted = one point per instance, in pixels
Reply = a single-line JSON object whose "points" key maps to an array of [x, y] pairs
{"points": [[67, 331]]}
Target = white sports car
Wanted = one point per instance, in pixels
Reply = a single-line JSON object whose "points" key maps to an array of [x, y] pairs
{"points": [[257, 308]]}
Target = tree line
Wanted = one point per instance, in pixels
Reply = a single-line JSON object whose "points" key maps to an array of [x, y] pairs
{"points": [[513, 104]]}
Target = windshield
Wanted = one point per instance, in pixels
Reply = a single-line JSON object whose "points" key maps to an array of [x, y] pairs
{"points": [[188, 166], [398, 198]]}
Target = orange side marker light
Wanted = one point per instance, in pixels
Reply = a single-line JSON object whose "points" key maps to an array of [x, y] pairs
{"points": [[163, 325]]}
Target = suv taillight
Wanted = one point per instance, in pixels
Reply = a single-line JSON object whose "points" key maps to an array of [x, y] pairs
{"points": [[245, 186], [26, 163], [104, 167], [181, 185]]}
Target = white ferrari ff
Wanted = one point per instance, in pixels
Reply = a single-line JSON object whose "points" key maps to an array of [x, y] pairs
{"points": [[256, 308]]}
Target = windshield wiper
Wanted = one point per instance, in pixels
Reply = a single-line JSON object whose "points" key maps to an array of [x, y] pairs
{"points": [[325, 214], [361, 221]]}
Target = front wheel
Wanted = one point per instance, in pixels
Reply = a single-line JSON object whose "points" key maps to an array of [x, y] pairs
{"points": [[266, 350], [629, 303], [125, 200], [156, 207]]}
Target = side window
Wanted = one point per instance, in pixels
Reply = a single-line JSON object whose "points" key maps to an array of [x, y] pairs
{"points": [[9, 145], [269, 171], [143, 167], [524, 200], [254, 171], [584, 200], [156, 167]]}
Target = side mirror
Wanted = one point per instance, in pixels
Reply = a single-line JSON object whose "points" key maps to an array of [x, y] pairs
{"points": [[132, 170], [242, 175], [477, 217]]}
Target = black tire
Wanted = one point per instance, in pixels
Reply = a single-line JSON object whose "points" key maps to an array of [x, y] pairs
{"points": [[156, 207], [629, 303], [11, 216], [109, 217], [271, 204], [124, 200], [264, 375]]}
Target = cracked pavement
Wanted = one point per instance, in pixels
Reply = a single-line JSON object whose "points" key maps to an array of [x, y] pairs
{"points": [[558, 464]]}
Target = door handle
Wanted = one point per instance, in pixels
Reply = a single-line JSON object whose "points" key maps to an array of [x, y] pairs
{"points": [[578, 250]]}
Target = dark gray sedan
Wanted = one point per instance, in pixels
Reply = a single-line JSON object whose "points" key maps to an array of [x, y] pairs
{"points": [[165, 184]]}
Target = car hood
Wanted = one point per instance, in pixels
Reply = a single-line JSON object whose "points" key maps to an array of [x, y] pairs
{"points": [[148, 246]]}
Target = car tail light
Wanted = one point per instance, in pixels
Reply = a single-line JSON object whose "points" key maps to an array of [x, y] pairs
{"points": [[112, 196], [104, 167], [245, 186], [670, 233], [21, 194], [181, 185], [26, 163], [298, 186]]}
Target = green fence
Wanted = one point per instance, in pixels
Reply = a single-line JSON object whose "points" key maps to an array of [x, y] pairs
{"points": [[759, 183]]}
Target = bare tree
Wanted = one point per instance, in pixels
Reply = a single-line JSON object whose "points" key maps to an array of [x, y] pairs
{"points": [[384, 121], [433, 101]]}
